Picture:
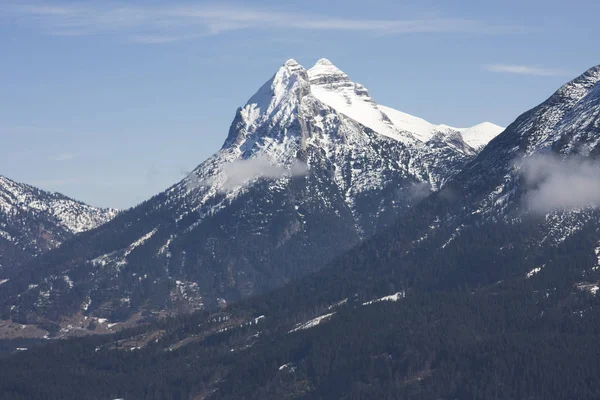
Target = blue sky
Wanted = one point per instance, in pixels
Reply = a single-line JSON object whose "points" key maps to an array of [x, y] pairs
{"points": [[112, 102]]}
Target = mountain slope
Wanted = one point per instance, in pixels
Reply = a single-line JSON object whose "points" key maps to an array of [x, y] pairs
{"points": [[477, 292], [536, 182], [297, 182], [524, 209], [476, 136], [33, 221], [472, 294]]}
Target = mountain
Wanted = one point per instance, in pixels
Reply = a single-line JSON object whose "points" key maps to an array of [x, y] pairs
{"points": [[519, 222], [311, 166], [524, 211], [33, 221], [488, 288], [536, 181]]}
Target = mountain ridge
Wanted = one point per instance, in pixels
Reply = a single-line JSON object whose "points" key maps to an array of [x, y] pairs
{"points": [[33, 221]]}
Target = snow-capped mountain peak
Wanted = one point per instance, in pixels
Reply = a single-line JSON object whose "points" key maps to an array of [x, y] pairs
{"points": [[279, 95], [334, 88], [275, 105], [300, 120], [299, 108], [324, 72], [294, 67]]}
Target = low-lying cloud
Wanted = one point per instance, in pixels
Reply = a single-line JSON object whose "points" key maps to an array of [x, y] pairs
{"points": [[242, 171], [418, 192], [561, 184]]}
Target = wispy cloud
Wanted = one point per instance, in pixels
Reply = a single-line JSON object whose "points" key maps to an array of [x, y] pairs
{"points": [[240, 172], [525, 70], [170, 23], [561, 184], [63, 157]]}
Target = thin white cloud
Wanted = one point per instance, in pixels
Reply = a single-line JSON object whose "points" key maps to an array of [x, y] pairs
{"points": [[561, 184], [240, 172], [170, 23], [63, 157], [525, 70]]}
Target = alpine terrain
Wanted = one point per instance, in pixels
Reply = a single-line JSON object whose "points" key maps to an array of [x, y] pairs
{"points": [[33, 221], [486, 289], [311, 167]]}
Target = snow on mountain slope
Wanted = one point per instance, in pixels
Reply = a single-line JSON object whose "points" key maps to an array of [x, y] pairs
{"points": [[335, 89], [566, 124], [480, 135], [476, 136], [72, 215], [33, 220], [420, 128]]}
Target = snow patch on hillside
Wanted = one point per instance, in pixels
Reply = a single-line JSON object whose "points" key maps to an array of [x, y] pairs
{"points": [[393, 297], [534, 271], [140, 241], [591, 288], [312, 323]]}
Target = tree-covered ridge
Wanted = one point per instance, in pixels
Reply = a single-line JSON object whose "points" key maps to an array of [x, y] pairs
{"points": [[498, 342]]}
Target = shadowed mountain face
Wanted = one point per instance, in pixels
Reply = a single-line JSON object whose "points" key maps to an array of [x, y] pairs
{"points": [[311, 166], [33, 221]]}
